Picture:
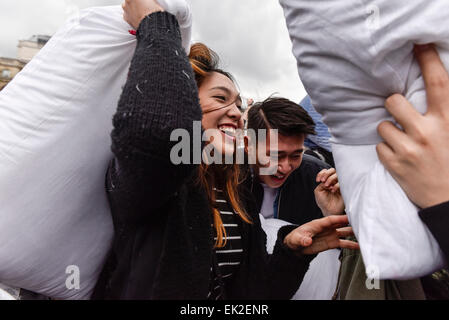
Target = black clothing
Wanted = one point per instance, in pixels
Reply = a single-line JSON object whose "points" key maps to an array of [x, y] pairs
{"points": [[437, 220], [321, 154], [163, 245]]}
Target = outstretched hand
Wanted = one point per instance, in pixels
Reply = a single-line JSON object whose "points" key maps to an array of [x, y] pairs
{"points": [[327, 193], [135, 10], [321, 235]]}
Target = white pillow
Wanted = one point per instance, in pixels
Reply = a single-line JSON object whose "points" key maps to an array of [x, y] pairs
{"points": [[351, 56], [56, 118], [320, 281]]}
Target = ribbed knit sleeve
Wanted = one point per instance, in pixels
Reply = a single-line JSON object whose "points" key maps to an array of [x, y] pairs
{"points": [[159, 96]]}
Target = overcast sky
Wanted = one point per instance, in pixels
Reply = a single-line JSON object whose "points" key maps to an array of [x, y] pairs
{"points": [[249, 35]]}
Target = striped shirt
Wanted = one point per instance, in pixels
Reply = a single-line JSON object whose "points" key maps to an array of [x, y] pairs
{"points": [[228, 257]]}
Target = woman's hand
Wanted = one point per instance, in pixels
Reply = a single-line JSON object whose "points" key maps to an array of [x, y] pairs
{"points": [[418, 156], [321, 235], [327, 193], [135, 10]]}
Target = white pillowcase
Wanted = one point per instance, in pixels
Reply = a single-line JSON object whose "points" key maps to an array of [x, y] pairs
{"points": [[351, 56], [56, 119]]}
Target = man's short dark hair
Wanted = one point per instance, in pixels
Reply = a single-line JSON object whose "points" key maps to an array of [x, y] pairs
{"points": [[279, 113]]}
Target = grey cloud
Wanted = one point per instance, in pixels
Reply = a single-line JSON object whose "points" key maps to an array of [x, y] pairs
{"points": [[252, 40], [20, 19]]}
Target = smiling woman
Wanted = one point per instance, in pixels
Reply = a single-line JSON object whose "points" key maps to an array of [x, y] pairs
{"points": [[188, 231], [220, 102]]}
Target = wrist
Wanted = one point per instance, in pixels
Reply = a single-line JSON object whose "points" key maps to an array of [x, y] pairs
{"points": [[327, 213], [434, 203], [157, 25], [149, 11]]}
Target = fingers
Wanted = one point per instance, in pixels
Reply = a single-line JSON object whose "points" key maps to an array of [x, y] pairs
{"points": [[391, 134], [402, 111], [345, 232], [321, 228], [303, 240], [328, 223], [331, 241], [333, 179], [298, 239], [324, 174], [338, 221], [335, 188], [347, 244], [385, 154], [435, 77]]}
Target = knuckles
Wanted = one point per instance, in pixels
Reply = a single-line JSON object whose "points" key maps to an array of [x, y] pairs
{"points": [[439, 81], [382, 127], [393, 100]]}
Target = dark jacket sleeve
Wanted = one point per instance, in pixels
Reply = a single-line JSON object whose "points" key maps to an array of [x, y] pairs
{"points": [[437, 220], [159, 96], [286, 269], [268, 276]]}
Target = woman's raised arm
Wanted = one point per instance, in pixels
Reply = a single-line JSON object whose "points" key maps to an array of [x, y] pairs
{"points": [[159, 96]]}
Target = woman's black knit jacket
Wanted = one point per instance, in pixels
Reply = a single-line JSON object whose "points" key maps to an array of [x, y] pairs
{"points": [[163, 245]]}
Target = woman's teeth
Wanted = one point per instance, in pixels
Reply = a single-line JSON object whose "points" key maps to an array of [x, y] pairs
{"points": [[278, 176], [230, 131]]}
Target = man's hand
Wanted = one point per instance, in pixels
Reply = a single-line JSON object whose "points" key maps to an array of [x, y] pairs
{"points": [[418, 156], [327, 193], [321, 235], [135, 10]]}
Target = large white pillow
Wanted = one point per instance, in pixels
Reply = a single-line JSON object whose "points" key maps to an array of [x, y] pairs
{"points": [[56, 117], [351, 56]]}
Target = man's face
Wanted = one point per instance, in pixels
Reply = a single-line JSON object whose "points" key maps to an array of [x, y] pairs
{"points": [[290, 150]]}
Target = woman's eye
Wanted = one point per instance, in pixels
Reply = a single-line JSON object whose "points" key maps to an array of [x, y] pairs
{"points": [[221, 98]]}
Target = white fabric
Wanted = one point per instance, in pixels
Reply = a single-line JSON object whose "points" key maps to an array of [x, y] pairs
{"points": [[56, 117], [269, 196], [8, 293], [181, 9], [350, 61], [5, 295], [320, 281]]}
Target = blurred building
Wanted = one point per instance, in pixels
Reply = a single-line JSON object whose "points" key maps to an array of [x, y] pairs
{"points": [[28, 48], [9, 67]]}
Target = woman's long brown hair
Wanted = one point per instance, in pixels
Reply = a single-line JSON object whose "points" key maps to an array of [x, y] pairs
{"points": [[204, 61]]}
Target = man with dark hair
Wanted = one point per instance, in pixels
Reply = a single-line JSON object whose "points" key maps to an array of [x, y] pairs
{"points": [[303, 188]]}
